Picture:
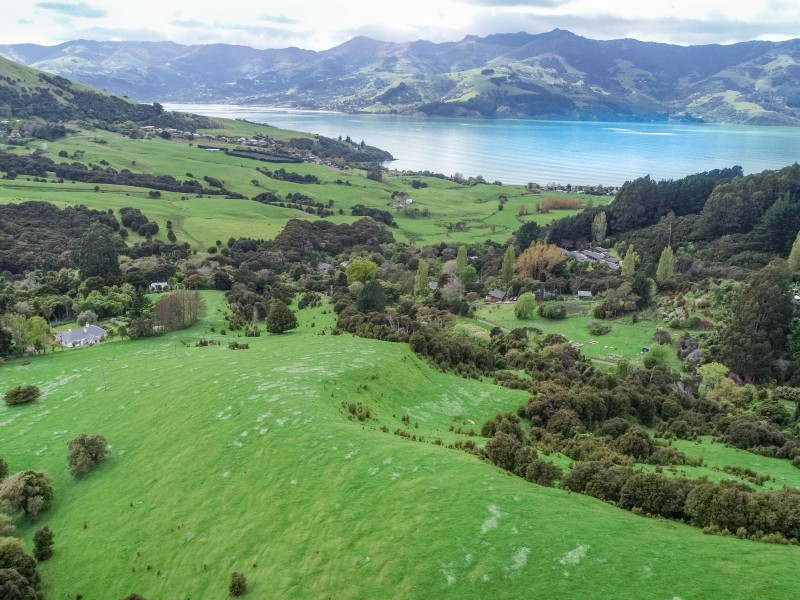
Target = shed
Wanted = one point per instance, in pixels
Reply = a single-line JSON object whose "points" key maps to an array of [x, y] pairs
{"points": [[495, 296]]}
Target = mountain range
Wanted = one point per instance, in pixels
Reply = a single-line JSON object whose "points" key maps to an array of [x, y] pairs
{"points": [[555, 75]]}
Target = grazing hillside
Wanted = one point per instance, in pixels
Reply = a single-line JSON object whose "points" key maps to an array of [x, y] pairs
{"points": [[246, 461], [555, 75], [341, 391]]}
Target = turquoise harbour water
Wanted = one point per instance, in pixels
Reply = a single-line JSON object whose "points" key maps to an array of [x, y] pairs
{"points": [[519, 151]]}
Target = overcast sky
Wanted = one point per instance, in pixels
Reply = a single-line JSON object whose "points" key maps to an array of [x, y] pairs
{"points": [[322, 24]]}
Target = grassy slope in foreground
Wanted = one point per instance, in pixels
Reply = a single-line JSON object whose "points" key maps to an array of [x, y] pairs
{"points": [[243, 460]]}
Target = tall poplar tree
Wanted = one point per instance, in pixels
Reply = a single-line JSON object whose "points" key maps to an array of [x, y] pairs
{"points": [[507, 269], [421, 280], [599, 227], [629, 262], [461, 258], [666, 266]]}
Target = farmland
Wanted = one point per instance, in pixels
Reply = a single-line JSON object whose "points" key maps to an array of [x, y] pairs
{"points": [[245, 460]]}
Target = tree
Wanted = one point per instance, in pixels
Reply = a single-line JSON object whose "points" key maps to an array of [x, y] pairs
{"points": [[528, 233], [97, 253], [539, 260], [666, 266], [711, 374], [28, 491], [14, 586], [39, 335], [371, 297], [461, 258], [375, 172], [525, 307], [5, 341], [421, 279], [7, 528], [178, 310], [140, 314], [43, 544], [17, 326], [85, 452], [86, 317], [238, 584], [507, 269], [360, 269], [794, 255], [599, 227], [629, 261], [645, 289], [760, 321], [280, 318]]}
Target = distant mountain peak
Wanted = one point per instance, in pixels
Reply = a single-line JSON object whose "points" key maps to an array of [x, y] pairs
{"points": [[556, 74]]}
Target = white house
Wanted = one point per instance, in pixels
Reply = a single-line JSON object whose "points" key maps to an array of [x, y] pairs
{"points": [[73, 338]]}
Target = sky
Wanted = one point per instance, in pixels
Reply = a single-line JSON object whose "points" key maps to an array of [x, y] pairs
{"points": [[322, 24]]}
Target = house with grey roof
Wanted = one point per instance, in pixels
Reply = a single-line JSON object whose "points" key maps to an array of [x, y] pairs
{"points": [[74, 338], [495, 296]]}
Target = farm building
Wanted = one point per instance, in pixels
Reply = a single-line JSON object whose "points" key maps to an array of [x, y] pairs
{"points": [[495, 296], [74, 338]]}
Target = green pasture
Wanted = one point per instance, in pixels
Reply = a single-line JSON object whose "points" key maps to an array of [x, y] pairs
{"points": [[244, 460], [456, 213], [626, 338]]}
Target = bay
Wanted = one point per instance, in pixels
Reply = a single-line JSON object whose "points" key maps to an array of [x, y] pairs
{"points": [[521, 151]]}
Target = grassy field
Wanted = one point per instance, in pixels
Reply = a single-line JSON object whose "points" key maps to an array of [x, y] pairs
{"points": [[626, 338], [245, 460], [457, 213]]}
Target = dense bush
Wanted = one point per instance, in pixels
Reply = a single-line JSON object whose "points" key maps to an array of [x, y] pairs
{"points": [[28, 491], [43, 543], [598, 328], [18, 577], [238, 585], [85, 452], [553, 310], [22, 394]]}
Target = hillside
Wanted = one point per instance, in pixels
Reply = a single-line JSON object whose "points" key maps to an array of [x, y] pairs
{"points": [[245, 461], [555, 75], [346, 414]]}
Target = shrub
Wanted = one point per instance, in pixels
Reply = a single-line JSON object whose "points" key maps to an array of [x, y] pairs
{"points": [[542, 472], [662, 336], [85, 452], [598, 328], [3, 469], [553, 310], [43, 544], [133, 597], [238, 584], [22, 394]]}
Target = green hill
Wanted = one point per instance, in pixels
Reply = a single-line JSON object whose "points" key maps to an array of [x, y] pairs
{"points": [[245, 461]]}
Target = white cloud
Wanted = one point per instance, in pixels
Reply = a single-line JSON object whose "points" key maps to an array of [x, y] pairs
{"points": [[318, 24]]}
